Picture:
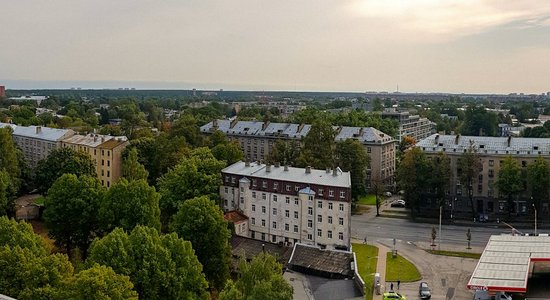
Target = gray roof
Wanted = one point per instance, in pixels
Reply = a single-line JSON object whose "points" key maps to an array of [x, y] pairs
{"points": [[295, 131], [504, 264], [318, 177], [325, 261], [46, 133], [486, 144]]}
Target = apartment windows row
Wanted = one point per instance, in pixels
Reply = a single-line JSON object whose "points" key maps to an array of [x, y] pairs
{"points": [[287, 188]]}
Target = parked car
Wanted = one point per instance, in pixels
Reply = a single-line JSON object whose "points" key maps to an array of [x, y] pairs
{"points": [[424, 291], [398, 203], [387, 194], [393, 296]]}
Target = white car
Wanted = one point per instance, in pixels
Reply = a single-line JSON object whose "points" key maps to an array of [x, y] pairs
{"points": [[398, 203], [387, 194]]}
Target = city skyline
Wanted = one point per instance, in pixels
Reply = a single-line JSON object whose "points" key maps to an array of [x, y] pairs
{"points": [[352, 45]]}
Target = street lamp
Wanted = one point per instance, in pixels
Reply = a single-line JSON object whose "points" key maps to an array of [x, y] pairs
{"points": [[535, 208]]}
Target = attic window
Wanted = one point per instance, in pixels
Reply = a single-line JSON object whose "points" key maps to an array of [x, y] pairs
{"points": [[536, 148], [481, 146], [440, 144], [246, 129]]}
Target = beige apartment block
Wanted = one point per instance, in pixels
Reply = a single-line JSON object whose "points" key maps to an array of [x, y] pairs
{"points": [[257, 139], [410, 125], [105, 150], [290, 205]]}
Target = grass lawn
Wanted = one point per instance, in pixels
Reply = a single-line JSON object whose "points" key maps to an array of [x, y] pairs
{"points": [[400, 269], [366, 265], [455, 253], [368, 200]]}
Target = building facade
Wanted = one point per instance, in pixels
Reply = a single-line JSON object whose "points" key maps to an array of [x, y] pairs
{"points": [[36, 142], [410, 125], [492, 151], [105, 150], [290, 205], [257, 139]]}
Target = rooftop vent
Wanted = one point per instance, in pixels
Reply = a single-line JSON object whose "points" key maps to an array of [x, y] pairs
{"points": [[277, 164], [38, 129], [286, 168], [308, 170], [268, 168]]}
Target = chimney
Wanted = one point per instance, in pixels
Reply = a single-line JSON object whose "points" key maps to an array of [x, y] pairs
{"points": [[233, 123], [509, 140], [308, 170], [268, 168], [328, 170], [247, 163], [436, 139], [286, 168], [277, 164], [38, 129], [335, 172], [265, 124], [95, 138], [457, 138]]}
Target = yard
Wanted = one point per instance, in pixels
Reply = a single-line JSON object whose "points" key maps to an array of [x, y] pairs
{"points": [[368, 200], [367, 257], [400, 269]]}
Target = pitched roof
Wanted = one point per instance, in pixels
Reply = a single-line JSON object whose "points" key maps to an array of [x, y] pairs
{"points": [[234, 216], [322, 261], [38, 132]]}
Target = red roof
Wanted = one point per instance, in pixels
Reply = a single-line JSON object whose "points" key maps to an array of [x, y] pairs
{"points": [[235, 216]]}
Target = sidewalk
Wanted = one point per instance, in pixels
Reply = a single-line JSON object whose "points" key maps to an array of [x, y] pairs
{"points": [[381, 268]]}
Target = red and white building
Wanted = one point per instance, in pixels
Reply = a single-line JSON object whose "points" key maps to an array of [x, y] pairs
{"points": [[290, 205]]}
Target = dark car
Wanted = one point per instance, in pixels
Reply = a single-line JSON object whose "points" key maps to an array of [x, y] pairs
{"points": [[398, 203], [424, 291]]}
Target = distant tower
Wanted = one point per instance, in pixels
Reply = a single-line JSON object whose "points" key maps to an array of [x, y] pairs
{"points": [[2, 91]]}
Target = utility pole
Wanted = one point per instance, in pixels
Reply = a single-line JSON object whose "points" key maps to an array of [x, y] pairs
{"points": [[535, 208], [440, 212]]}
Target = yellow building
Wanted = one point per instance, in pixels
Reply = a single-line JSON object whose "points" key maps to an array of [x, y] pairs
{"points": [[105, 150]]}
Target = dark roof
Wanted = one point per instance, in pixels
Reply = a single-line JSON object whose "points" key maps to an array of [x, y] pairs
{"points": [[243, 247], [234, 217], [327, 263]]}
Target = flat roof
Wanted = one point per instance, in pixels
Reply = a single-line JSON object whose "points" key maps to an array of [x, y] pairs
{"points": [[505, 262], [319, 177], [486, 144], [38, 132]]}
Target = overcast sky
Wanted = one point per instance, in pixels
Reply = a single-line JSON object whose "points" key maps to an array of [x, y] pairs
{"points": [[471, 46]]}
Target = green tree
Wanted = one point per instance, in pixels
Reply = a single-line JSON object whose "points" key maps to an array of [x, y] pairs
{"points": [[509, 181], [10, 164], [71, 211], [24, 275], [196, 175], [412, 176], [440, 179], [159, 266], [200, 221], [538, 179], [479, 122], [469, 166], [127, 204], [131, 168], [406, 143], [6, 205], [318, 146], [186, 126], [13, 233], [230, 152], [351, 157], [262, 278], [62, 161], [98, 282], [283, 152]]}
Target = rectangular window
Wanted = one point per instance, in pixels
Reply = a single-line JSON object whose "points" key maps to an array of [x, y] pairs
{"points": [[274, 225], [226, 190], [287, 227], [264, 196], [108, 173], [341, 221], [254, 195], [341, 206], [295, 215], [275, 185], [242, 199], [274, 198], [102, 162], [342, 194], [319, 218], [309, 223], [320, 192], [274, 211], [264, 184], [341, 236], [288, 188], [329, 219], [309, 236], [329, 234], [491, 163], [108, 163], [287, 213], [330, 205], [253, 221], [263, 222], [263, 209], [330, 193], [310, 211], [296, 228], [253, 182], [253, 207], [287, 200], [319, 233], [241, 189], [295, 201], [320, 204]]}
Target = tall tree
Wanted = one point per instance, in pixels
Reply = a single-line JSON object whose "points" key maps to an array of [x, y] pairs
{"points": [[6, 205], [538, 179], [186, 126], [63, 161], [71, 211], [229, 152], [262, 278], [318, 146], [469, 166], [479, 122], [440, 179], [201, 222], [351, 157], [509, 181], [196, 175], [13, 233], [285, 153], [127, 204], [412, 176], [9, 163], [131, 168], [159, 266]]}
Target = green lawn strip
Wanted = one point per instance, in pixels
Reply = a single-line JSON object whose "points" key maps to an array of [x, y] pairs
{"points": [[366, 264], [400, 269], [368, 200], [455, 253]]}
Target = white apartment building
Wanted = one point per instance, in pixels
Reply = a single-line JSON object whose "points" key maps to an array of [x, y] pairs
{"points": [[290, 205]]}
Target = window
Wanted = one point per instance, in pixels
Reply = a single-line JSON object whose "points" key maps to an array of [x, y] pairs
{"points": [[253, 207], [264, 196], [274, 211], [287, 213], [309, 236], [263, 209], [102, 162], [309, 223], [310, 211], [263, 222], [330, 193], [341, 206], [108, 163], [264, 184], [320, 204], [226, 190], [491, 163], [274, 225], [369, 150], [330, 219], [329, 234], [241, 189], [263, 236], [253, 221], [320, 192], [232, 179], [254, 195], [341, 236], [274, 198], [253, 182], [319, 218], [288, 188], [341, 221], [275, 185], [296, 188], [295, 215], [287, 227], [319, 233], [330, 205], [287, 200], [342, 194], [296, 228], [295, 201]]}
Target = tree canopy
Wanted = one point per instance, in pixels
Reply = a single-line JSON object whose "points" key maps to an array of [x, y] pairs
{"points": [[131, 168], [13, 233], [351, 157], [159, 266], [538, 178], [509, 181], [318, 148], [468, 170], [413, 177]]}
